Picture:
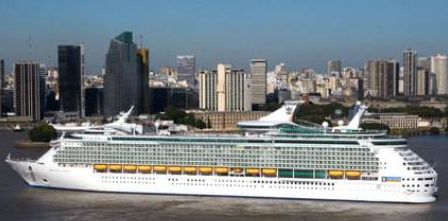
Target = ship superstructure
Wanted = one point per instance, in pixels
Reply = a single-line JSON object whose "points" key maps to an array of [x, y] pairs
{"points": [[273, 158]]}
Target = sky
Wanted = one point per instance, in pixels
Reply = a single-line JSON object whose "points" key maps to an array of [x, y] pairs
{"points": [[300, 33]]}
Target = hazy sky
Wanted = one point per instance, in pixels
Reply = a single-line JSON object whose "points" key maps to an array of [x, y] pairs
{"points": [[298, 33]]}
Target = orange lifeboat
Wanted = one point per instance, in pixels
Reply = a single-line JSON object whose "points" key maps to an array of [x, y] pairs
{"points": [[160, 169], [253, 171], [175, 169], [130, 168], [100, 167], [144, 169], [353, 174], [269, 172], [115, 168], [205, 170], [221, 170], [190, 170], [335, 174]]}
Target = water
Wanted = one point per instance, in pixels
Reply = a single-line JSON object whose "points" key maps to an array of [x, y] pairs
{"points": [[21, 202]]}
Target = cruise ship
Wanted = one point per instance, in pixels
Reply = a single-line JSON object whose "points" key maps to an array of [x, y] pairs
{"points": [[272, 157]]}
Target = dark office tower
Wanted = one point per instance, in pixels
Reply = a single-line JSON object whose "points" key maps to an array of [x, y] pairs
{"points": [[410, 72], [334, 66], [94, 101], [71, 73], [393, 72], [27, 94], [186, 69], [2, 82], [121, 84], [143, 74], [2, 74]]}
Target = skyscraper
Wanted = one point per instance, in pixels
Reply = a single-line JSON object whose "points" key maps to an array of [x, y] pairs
{"points": [[410, 72], [439, 66], [334, 66], [383, 77], [43, 89], [208, 96], [258, 69], [2, 74], [27, 89], [393, 74], [2, 82], [224, 89], [423, 82], [186, 69], [143, 74], [121, 84], [71, 74]]}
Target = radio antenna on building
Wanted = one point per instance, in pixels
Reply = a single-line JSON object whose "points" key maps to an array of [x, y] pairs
{"points": [[141, 41]]}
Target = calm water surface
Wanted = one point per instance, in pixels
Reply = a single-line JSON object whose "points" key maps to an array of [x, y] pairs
{"points": [[20, 202]]}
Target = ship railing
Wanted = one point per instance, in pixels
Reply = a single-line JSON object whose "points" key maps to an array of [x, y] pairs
{"points": [[19, 159]]}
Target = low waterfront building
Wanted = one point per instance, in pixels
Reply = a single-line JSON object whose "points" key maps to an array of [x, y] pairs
{"points": [[399, 121]]}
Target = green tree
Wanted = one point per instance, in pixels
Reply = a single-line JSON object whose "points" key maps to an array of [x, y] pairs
{"points": [[434, 131], [42, 133]]}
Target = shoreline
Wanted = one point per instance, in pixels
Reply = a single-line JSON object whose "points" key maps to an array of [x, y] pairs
{"points": [[27, 144]]}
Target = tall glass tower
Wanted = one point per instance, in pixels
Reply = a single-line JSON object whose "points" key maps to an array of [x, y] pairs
{"points": [[71, 73], [121, 86]]}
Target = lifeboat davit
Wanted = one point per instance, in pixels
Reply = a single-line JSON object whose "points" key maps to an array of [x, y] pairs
{"points": [[144, 169], [237, 170]]}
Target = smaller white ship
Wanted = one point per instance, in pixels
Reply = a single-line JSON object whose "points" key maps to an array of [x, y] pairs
{"points": [[17, 128]]}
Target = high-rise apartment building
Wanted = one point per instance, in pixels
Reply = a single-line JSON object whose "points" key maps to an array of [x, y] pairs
{"points": [[71, 75], [224, 89], [143, 75], [258, 69], [439, 66], [208, 96], [334, 66], [186, 69], [410, 72], [423, 82], [27, 89], [424, 62], [383, 77], [121, 84]]}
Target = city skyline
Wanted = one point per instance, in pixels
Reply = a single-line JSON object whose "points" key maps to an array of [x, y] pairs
{"points": [[305, 34]]}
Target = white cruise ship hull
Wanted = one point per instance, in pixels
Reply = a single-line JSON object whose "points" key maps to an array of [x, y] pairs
{"points": [[84, 178]]}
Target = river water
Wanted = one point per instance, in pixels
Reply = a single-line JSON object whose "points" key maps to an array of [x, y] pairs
{"points": [[21, 202]]}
